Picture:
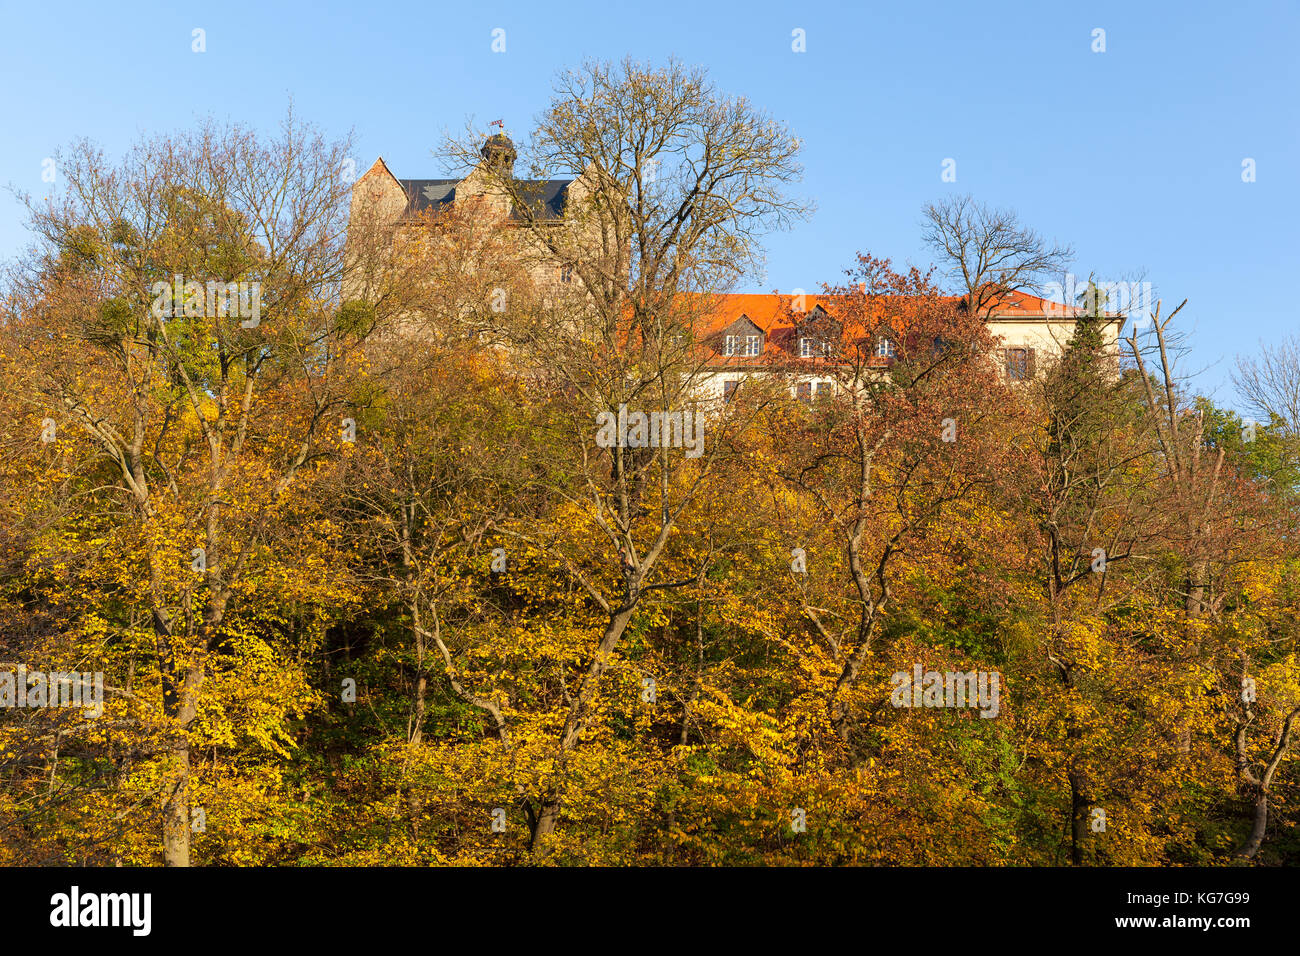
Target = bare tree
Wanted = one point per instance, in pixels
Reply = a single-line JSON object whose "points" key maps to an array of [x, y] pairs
{"points": [[987, 252], [1270, 383]]}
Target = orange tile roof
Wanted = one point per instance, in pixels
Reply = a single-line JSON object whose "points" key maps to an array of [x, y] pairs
{"points": [[768, 310], [771, 314]]}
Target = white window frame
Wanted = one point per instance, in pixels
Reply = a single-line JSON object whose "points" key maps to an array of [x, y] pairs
{"points": [[885, 347], [743, 345]]}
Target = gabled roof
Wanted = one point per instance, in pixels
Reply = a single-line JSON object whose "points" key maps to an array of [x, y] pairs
{"points": [[766, 313], [769, 312], [782, 330], [380, 168], [743, 325]]}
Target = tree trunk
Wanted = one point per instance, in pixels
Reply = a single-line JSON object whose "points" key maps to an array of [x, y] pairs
{"points": [[1196, 590], [176, 806], [1258, 828], [180, 705], [549, 811], [699, 676], [415, 723], [1078, 818], [543, 827]]}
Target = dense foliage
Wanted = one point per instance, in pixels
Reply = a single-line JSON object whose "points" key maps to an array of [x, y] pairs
{"points": [[365, 590]]}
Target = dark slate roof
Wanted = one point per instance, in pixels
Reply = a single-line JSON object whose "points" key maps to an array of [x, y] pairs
{"points": [[547, 195], [422, 194]]}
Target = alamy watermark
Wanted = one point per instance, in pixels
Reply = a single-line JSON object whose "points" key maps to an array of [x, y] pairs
{"points": [[1133, 299], [75, 908], [947, 689], [652, 430], [54, 689], [213, 299]]}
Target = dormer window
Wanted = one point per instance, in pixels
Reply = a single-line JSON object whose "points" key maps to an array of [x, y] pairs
{"points": [[885, 347], [744, 345], [812, 347]]}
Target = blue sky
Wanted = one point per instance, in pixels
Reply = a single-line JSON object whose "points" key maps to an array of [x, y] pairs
{"points": [[1133, 155]]}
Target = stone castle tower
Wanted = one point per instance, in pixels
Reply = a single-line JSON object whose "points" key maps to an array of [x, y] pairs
{"points": [[531, 204]]}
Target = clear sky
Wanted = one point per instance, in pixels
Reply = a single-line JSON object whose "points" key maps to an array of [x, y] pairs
{"points": [[1134, 155]]}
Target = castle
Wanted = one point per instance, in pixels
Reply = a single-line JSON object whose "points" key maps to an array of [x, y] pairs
{"points": [[748, 334]]}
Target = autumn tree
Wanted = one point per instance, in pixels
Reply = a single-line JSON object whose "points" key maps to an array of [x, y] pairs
{"points": [[181, 315], [675, 183], [1216, 524], [904, 438]]}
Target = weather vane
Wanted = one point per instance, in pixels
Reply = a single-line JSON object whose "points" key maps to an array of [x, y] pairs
{"points": [[501, 123]]}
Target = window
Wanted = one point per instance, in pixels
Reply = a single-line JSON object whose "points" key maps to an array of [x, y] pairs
{"points": [[884, 347], [1018, 364], [822, 390], [748, 345], [566, 273], [728, 390], [810, 347], [803, 391]]}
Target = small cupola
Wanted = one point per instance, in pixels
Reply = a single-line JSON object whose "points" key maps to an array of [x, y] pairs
{"points": [[499, 153]]}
